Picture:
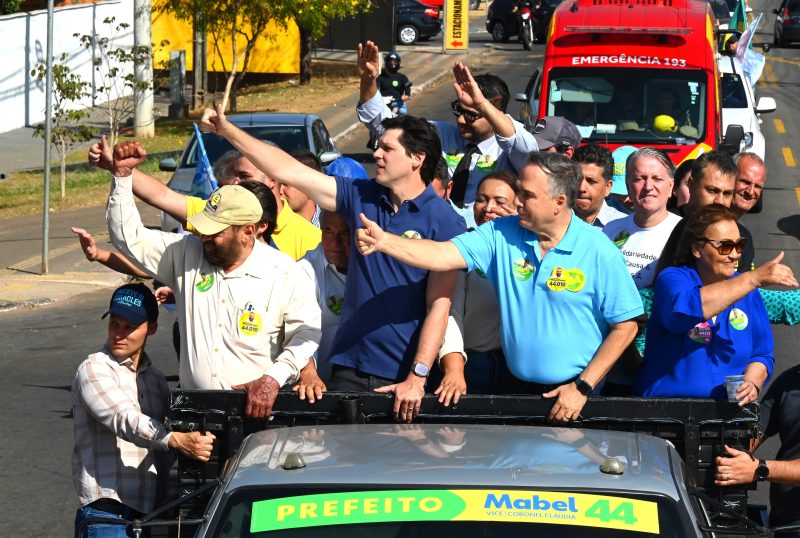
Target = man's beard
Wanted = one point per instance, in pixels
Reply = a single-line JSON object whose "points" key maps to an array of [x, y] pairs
{"points": [[221, 256]]}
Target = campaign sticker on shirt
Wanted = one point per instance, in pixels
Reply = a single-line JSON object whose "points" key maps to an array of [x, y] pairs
{"points": [[558, 279], [249, 321], [738, 319], [701, 333], [412, 234], [486, 163], [204, 282], [453, 158], [622, 238], [523, 269], [576, 280], [335, 304]]}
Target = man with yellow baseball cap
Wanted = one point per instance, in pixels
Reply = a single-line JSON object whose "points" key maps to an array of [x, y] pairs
{"points": [[248, 316]]}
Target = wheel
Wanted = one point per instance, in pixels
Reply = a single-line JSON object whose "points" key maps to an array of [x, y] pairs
{"points": [[474, 4], [775, 41], [527, 37], [407, 34], [499, 33]]}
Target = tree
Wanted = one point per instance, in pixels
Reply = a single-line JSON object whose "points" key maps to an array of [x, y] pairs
{"points": [[7, 7], [65, 131], [312, 18]]}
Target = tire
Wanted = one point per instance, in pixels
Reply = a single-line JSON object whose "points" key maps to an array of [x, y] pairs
{"points": [[775, 41], [527, 37], [499, 33], [474, 4], [407, 34]]}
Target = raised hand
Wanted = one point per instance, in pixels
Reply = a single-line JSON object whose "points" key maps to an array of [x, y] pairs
{"points": [[127, 156], [368, 60], [774, 272], [467, 90], [214, 121], [100, 154], [88, 244], [369, 237]]}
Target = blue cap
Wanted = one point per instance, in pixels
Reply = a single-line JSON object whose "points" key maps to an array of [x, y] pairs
{"points": [[621, 155], [347, 167], [135, 303]]}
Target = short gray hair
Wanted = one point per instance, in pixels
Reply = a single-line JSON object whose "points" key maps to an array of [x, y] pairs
{"points": [[563, 175], [649, 153], [222, 166], [750, 155]]}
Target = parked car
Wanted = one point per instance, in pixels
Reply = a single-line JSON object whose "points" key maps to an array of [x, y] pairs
{"points": [[288, 131], [787, 24], [503, 23], [416, 21], [473, 4]]}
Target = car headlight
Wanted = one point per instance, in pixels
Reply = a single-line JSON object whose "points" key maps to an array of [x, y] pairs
{"points": [[748, 140]]}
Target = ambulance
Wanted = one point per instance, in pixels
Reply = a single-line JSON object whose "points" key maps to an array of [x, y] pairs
{"points": [[632, 72]]}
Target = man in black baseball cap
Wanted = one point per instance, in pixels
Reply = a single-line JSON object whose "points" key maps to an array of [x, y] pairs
{"points": [[557, 134]]}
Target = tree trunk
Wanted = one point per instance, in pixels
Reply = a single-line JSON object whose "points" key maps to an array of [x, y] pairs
{"points": [[305, 55]]}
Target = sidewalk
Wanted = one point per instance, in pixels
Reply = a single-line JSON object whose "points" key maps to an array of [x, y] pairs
{"points": [[70, 274]]}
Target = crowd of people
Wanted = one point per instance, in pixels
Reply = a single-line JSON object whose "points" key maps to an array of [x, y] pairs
{"points": [[481, 258]]}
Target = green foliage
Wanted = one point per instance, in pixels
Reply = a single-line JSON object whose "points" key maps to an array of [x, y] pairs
{"points": [[314, 15], [11, 6]]}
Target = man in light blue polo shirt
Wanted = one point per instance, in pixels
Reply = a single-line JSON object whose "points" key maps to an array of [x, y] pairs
{"points": [[566, 299], [394, 315]]}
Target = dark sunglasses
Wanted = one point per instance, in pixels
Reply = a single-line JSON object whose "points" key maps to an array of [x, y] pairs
{"points": [[726, 246], [458, 111]]}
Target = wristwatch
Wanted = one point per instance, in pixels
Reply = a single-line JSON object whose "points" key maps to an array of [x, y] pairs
{"points": [[583, 387], [420, 370], [762, 471]]}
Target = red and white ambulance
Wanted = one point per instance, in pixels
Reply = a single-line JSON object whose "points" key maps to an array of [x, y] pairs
{"points": [[632, 72]]}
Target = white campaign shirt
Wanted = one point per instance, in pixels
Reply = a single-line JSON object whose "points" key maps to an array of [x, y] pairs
{"points": [[261, 318], [641, 247], [329, 287]]}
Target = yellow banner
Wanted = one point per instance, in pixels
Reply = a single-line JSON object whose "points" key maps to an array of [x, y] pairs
{"points": [[456, 25]]}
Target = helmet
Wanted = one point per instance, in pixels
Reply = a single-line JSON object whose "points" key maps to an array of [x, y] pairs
{"points": [[392, 61], [665, 124]]}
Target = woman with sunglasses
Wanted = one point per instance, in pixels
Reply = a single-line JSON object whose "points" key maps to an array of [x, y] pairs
{"points": [[708, 321]]}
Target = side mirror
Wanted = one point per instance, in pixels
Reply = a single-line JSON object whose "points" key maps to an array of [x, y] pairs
{"points": [[522, 97], [766, 104], [766, 47], [775, 11], [732, 141], [329, 156], [167, 165]]}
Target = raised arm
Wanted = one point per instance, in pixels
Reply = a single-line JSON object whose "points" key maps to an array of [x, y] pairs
{"points": [[113, 260], [272, 160], [719, 296], [422, 253], [470, 95], [371, 108]]}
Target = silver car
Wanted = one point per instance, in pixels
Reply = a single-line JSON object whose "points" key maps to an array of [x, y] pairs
{"points": [[288, 131]]}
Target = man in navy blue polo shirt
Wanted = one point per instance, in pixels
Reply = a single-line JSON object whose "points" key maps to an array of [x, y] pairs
{"points": [[567, 303], [394, 315]]}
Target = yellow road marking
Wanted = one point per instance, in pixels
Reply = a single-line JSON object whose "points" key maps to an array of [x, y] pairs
{"points": [[788, 156], [797, 193], [769, 75], [782, 60], [35, 261], [779, 127]]}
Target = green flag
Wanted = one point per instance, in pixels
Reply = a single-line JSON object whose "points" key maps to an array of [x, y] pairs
{"points": [[739, 19]]}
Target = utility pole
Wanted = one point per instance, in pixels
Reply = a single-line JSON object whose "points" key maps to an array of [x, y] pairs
{"points": [[199, 72], [48, 125], [143, 121]]}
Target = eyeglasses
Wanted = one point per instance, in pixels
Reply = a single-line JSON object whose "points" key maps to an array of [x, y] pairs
{"points": [[458, 111], [726, 246]]}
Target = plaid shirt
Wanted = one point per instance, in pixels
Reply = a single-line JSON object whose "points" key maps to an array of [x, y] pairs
{"points": [[120, 444]]}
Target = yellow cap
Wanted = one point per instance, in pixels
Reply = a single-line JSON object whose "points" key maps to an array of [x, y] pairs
{"points": [[665, 124], [228, 206]]}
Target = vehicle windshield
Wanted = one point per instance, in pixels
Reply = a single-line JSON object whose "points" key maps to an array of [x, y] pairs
{"points": [[634, 106], [733, 92], [720, 10], [466, 513], [288, 138]]}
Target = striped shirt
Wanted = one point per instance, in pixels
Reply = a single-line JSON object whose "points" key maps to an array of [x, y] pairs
{"points": [[119, 439]]}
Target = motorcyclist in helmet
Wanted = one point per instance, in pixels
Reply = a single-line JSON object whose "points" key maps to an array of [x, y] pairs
{"points": [[393, 85]]}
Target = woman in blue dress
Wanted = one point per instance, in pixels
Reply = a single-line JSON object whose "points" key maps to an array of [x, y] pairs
{"points": [[709, 321]]}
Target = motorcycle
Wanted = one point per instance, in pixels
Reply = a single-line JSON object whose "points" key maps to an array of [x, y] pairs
{"points": [[526, 34], [397, 106]]}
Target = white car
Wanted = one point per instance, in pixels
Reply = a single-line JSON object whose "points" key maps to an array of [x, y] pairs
{"points": [[739, 106]]}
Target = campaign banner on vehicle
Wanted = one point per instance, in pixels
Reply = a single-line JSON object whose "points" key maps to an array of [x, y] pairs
{"points": [[509, 506]]}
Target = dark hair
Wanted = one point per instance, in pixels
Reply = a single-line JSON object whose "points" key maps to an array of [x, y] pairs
{"points": [[307, 157], [506, 176], [563, 174], [680, 172], [419, 137], [695, 230], [269, 206], [494, 89], [721, 160], [597, 155], [442, 174]]}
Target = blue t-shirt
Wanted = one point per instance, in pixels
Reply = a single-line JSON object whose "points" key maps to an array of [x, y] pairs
{"points": [[384, 299], [555, 311], [688, 356]]}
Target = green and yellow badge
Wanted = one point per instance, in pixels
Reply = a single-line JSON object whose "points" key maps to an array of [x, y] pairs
{"points": [[204, 282], [335, 304], [738, 319], [249, 321], [523, 269], [572, 280], [412, 234], [622, 238]]}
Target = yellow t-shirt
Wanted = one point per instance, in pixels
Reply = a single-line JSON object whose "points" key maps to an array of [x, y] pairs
{"points": [[293, 235]]}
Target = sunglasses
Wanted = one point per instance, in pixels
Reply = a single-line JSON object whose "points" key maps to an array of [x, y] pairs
{"points": [[726, 246], [458, 111]]}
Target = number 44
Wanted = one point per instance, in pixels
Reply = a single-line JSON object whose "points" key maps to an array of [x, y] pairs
{"points": [[602, 510]]}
